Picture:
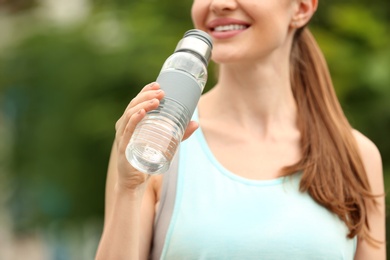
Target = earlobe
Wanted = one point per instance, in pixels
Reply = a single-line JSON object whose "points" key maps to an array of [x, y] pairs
{"points": [[306, 9]]}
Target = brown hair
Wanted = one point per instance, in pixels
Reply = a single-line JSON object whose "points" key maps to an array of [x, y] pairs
{"points": [[333, 171]]}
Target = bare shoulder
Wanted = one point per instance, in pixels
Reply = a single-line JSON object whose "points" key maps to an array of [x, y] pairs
{"points": [[375, 214], [366, 146], [370, 155], [148, 210], [153, 193], [155, 185]]}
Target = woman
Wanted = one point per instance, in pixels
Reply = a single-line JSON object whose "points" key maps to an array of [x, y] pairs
{"points": [[274, 171]]}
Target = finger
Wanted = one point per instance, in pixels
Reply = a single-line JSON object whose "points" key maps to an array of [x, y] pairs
{"points": [[192, 126], [150, 91], [141, 97], [129, 129], [145, 97], [146, 105], [151, 86]]}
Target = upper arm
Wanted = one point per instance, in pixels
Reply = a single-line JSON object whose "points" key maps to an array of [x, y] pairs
{"points": [[376, 215], [147, 208]]}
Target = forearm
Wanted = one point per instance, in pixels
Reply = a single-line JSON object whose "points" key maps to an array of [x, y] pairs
{"points": [[121, 235]]}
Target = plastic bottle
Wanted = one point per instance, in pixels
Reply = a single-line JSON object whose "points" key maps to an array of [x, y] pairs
{"points": [[182, 77]]}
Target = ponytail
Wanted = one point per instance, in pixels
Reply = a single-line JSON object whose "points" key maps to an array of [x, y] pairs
{"points": [[333, 171]]}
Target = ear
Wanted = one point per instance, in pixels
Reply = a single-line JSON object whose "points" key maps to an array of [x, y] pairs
{"points": [[305, 9]]}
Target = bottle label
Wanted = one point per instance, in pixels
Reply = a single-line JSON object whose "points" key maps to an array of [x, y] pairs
{"points": [[181, 87]]}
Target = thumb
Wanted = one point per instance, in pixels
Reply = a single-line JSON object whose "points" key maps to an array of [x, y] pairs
{"points": [[192, 126]]}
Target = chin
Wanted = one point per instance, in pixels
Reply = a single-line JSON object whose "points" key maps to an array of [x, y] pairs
{"points": [[227, 59]]}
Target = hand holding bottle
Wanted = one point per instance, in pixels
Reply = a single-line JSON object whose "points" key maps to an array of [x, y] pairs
{"points": [[147, 100], [183, 77]]}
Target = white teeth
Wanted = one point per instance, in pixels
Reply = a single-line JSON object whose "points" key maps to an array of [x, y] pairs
{"points": [[230, 27]]}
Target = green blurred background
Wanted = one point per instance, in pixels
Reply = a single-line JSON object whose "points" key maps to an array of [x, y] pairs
{"points": [[68, 69]]}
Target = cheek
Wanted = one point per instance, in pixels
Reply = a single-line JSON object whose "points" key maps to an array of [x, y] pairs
{"points": [[198, 13]]}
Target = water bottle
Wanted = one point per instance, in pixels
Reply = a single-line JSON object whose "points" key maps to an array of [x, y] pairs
{"points": [[182, 77]]}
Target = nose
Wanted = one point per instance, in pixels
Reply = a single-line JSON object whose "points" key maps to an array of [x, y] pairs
{"points": [[222, 6]]}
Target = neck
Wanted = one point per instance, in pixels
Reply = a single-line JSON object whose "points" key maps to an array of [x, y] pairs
{"points": [[253, 95]]}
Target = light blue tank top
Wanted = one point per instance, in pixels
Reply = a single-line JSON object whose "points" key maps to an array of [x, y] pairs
{"points": [[219, 215]]}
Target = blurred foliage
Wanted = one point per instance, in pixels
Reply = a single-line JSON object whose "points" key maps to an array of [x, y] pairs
{"points": [[65, 80], [15, 6], [63, 87]]}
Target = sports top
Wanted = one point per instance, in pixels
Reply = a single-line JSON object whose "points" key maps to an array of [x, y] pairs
{"points": [[208, 212]]}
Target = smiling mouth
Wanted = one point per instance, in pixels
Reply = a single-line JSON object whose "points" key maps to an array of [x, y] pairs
{"points": [[229, 27]]}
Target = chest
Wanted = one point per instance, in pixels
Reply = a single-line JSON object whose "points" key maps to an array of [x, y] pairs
{"points": [[274, 221], [260, 232], [253, 159], [219, 215]]}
